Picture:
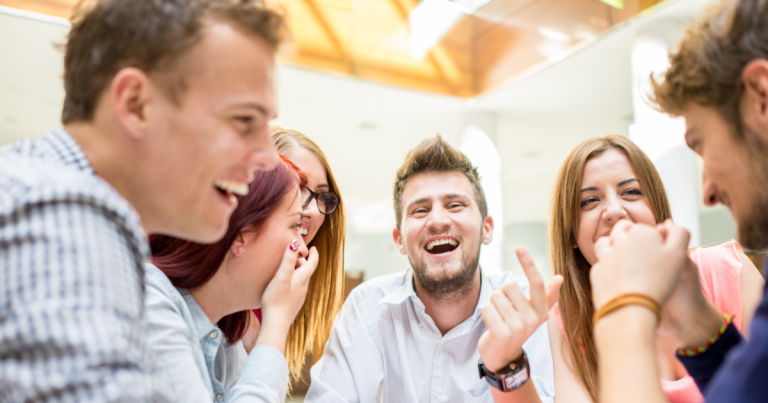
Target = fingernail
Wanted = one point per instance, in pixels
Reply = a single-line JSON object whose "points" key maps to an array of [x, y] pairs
{"points": [[294, 245]]}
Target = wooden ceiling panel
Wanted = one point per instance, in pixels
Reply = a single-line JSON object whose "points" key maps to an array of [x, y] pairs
{"points": [[371, 39]]}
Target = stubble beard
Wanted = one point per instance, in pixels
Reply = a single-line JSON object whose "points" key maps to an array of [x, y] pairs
{"points": [[444, 288], [753, 226]]}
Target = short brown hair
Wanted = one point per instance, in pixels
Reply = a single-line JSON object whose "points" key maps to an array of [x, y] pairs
{"points": [[707, 67], [436, 155], [108, 35]]}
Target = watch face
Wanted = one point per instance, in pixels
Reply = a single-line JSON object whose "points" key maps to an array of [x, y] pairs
{"points": [[514, 381]]}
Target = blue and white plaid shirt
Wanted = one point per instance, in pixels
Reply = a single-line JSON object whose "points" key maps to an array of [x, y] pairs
{"points": [[72, 255]]}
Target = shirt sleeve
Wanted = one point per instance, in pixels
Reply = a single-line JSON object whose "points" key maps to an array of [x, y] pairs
{"points": [[71, 304], [733, 369], [351, 369], [168, 335], [264, 378]]}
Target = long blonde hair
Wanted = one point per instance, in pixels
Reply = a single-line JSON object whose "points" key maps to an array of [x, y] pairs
{"points": [[576, 294], [312, 326]]}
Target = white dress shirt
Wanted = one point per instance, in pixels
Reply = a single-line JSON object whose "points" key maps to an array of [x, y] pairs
{"points": [[194, 358], [384, 347]]}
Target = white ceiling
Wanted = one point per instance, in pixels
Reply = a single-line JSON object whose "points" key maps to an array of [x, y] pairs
{"points": [[366, 129]]}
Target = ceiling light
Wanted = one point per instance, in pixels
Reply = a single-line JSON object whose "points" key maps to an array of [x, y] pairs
{"points": [[554, 35], [432, 19]]}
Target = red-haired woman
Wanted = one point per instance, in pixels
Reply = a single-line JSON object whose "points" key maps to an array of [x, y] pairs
{"points": [[199, 297]]}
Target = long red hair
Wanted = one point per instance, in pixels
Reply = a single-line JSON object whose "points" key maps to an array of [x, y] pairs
{"points": [[190, 264]]}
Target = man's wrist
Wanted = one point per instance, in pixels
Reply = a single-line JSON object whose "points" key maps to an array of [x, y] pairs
{"points": [[496, 366], [629, 320], [696, 329]]}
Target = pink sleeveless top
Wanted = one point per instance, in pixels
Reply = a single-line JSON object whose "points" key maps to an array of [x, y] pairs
{"points": [[720, 276]]}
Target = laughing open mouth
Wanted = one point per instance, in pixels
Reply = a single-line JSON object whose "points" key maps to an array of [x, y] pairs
{"points": [[441, 246]]}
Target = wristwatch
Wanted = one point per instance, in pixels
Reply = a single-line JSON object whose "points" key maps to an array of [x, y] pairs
{"points": [[509, 378]]}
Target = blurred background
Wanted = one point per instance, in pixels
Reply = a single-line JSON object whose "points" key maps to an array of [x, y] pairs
{"points": [[515, 84]]}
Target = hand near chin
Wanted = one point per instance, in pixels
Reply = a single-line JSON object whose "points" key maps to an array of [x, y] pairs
{"points": [[638, 258], [284, 296], [511, 317]]}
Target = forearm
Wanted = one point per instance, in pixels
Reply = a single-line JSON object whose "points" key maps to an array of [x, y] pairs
{"points": [[525, 394], [264, 378], [696, 327], [274, 332], [626, 356]]}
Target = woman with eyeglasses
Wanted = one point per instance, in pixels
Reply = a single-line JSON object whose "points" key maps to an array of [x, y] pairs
{"points": [[322, 227]]}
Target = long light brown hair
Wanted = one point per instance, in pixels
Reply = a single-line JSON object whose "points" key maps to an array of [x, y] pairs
{"points": [[576, 293], [312, 326]]}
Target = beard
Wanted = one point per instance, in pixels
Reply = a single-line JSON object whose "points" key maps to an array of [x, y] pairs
{"points": [[753, 224], [448, 287]]}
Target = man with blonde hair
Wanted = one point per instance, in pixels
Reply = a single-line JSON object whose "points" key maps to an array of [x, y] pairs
{"points": [[418, 335], [717, 81]]}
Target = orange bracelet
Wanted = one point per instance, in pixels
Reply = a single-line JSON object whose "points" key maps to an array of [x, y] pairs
{"points": [[631, 298]]}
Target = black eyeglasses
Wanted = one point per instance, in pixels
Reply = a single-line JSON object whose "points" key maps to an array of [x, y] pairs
{"points": [[327, 202]]}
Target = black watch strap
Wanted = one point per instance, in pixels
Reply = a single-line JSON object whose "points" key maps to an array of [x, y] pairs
{"points": [[509, 378]]}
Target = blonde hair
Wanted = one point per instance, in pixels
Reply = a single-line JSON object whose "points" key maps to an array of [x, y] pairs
{"points": [[576, 294], [325, 295]]}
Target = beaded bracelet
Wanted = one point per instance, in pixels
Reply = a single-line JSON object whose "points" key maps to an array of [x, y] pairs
{"points": [[688, 352]]}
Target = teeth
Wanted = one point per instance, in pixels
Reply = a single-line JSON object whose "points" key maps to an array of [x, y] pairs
{"points": [[441, 242], [237, 188], [303, 231]]}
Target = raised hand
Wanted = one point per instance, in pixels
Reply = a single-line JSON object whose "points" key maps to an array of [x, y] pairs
{"points": [[512, 318], [284, 297]]}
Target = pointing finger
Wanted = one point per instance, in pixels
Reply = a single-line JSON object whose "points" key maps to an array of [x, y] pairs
{"points": [[553, 290], [536, 282]]}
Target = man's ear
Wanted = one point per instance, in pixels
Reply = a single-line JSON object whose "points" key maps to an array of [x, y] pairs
{"points": [[130, 93], [754, 101], [487, 230], [398, 238]]}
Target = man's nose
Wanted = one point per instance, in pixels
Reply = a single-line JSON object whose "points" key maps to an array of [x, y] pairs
{"points": [[710, 192], [438, 218], [263, 156]]}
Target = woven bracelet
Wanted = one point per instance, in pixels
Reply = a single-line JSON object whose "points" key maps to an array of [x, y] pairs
{"points": [[691, 352]]}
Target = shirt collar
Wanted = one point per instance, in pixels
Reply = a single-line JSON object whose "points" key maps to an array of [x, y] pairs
{"points": [[63, 148], [406, 291], [203, 325], [402, 293]]}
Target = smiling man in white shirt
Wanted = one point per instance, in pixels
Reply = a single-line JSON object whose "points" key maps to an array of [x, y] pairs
{"points": [[413, 336]]}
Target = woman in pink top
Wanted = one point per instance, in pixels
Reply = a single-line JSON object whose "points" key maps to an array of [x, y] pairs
{"points": [[603, 181]]}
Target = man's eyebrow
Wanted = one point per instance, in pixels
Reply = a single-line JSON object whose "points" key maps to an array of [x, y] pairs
{"points": [[323, 186], [589, 189], [252, 105], [417, 201], [624, 182], [454, 196]]}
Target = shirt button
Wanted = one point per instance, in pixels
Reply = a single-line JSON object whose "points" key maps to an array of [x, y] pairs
{"points": [[438, 390], [219, 397], [421, 324], [214, 334]]}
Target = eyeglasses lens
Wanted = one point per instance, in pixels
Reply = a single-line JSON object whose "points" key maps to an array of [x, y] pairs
{"points": [[306, 196], [327, 202]]}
